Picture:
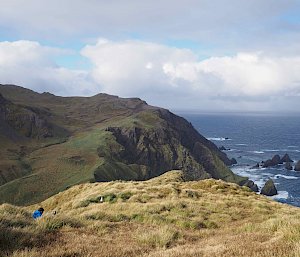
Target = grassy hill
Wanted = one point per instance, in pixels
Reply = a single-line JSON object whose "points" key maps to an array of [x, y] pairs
{"points": [[50, 143], [163, 216]]}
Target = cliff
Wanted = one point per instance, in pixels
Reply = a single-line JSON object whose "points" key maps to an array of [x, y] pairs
{"points": [[52, 143]]}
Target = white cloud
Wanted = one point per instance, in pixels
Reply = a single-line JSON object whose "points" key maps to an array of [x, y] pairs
{"points": [[134, 67], [29, 64], [245, 74], [162, 75]]}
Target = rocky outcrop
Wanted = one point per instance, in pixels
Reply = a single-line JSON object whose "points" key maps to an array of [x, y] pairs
{"points": [[269, 188], [288, 166], [233, 161], [255, 166], [276, 160], [286, 158], [267, 163], [222, 148], [251, 185], [297, 166], [30, 122], [272, 162], [158, 150]]}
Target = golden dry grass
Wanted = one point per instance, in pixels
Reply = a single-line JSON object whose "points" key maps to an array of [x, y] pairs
{"points": [[160, 217]]}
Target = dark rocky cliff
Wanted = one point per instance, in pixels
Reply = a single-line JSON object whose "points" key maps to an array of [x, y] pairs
{"points": [[173, 144], [27, 121]]}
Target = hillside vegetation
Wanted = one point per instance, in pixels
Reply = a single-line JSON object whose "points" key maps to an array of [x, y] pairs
{"points": [[164, 216], [50, 143]]}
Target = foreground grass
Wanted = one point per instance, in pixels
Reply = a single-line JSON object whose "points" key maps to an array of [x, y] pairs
{"points": [[160, 217]]}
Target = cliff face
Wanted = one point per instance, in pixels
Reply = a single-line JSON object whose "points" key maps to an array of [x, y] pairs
{"points": [[20, 126], [173, 144], [27, 121], [51, 143]]}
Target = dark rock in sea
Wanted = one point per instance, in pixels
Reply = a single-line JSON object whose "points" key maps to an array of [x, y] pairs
{"points": [[270, 163], [276, 160], [233, 161], [269, 188], [286, 158], [226, 138], [222, 148], [288, 166], [251, 185], [297, 166], [255, 166], [267, 163]]}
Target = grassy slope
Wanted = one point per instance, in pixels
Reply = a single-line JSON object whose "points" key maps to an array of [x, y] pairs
{"points": [[160, 217], [57, 167], [54, 168], [50, 165]]}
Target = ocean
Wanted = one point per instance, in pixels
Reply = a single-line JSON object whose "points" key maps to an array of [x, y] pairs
{"points": [[255, 138]]}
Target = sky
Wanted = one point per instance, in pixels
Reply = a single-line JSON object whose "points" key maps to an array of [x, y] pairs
{"points": [[200, 56]]}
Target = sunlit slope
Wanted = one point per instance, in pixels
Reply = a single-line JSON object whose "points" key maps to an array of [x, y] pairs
{"points": [[164, 216]]}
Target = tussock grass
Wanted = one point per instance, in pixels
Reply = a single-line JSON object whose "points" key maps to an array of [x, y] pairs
{"points": [[163, 216], [162, 237]]}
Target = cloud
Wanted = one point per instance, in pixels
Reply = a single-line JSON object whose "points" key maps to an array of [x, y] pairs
{"points": [[243, 75], [133, 67], [136, 68], [29, 64], [166, 76], [235, 24]]}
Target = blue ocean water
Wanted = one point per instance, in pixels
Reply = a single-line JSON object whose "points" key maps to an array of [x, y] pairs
{"points": [[255, 138]]}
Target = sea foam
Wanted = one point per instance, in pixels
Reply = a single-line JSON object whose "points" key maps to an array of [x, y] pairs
{"points": [[218, 138], [284, 176], [281, 195], [258, 152]]}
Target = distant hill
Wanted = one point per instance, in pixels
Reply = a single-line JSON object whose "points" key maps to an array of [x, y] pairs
{"points": [[49, 143]]}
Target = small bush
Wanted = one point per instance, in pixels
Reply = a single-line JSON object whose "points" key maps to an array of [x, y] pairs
{"points": [[210, 224], [137, 217], [192, 194], [97, 216], [118, 218], [125, 196], [83, 204], [57, 222], [161, 237], [111, 198]]}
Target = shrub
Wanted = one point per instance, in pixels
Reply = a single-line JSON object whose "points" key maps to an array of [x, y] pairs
{"points": [[57, 222], [125, 196], [111, 198], [160, 237], [97, 216]]}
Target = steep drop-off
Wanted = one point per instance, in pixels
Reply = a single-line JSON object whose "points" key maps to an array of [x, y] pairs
{"points": [[51, 143]]}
